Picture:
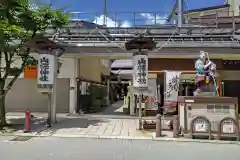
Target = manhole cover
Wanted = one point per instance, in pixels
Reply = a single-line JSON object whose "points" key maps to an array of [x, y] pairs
{"points": [[21, 139]]}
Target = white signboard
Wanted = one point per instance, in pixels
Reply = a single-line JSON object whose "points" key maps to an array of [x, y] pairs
{"points": [[172, 80], [200, 127], [153, 92], [140, 71], [45, 69], [228, 128]]}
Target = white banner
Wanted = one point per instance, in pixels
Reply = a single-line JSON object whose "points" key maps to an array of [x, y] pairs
{"points": [[45, 69], [140, 71], [172, 80], [153, 92]]}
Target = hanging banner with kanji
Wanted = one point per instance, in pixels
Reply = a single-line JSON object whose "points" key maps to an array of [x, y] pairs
{"points": [[171, 89], [45, 69], [140, 71]]}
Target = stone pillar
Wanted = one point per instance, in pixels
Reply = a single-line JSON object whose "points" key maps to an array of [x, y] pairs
{"points": [[54, 91], [73, 87], [158, 126], [140, 125], [176, 126], [108, 90]]}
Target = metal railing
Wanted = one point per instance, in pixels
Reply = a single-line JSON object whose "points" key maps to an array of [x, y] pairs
{"points": [[202, 29], [208, 18], [122, 19]]}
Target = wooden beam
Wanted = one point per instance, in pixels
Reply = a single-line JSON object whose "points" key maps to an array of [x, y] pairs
{"points": [[183, 72]]}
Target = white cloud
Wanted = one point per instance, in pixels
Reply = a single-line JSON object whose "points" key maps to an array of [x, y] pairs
{"points": [[151, 19], [125, 24], [111, 23]]}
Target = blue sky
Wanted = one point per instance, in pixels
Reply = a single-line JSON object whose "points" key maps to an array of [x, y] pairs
{"points": [[130, 5], [92, 9]]}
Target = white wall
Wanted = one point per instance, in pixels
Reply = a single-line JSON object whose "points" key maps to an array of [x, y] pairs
{"points": [[24, 94], [234, 7], [69, 70]]}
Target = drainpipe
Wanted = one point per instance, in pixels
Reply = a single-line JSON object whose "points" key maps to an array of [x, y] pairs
{"points": [[180, 13]]}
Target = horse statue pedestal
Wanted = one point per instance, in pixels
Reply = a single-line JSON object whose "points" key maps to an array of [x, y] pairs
{"points": [[205, 94], [206, 86]]}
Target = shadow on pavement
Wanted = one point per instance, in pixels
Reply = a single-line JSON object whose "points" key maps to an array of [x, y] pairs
{"points": [[71, 123], [16, 124], [113, 109]]}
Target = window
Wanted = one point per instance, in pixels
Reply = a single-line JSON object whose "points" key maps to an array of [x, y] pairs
{"points": [[210, 108], [213, 108], [225, 109]]}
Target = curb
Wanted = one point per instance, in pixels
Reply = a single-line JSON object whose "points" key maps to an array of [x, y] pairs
{"points": [[195, 140], [124, 138], [102, 137], [33, 134]]}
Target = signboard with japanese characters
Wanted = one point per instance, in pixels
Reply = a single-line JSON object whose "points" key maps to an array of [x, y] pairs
{"points": [[30, 71], [46, 69], [228, 128], [200, 127], [140, 71], [172, 80]]}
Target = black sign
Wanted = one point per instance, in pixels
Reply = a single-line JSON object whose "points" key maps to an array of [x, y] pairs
{"points": [[141, 71], [44, 69]]}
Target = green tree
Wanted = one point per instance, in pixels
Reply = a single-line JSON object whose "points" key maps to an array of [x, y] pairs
{"points": [[20, 22]]}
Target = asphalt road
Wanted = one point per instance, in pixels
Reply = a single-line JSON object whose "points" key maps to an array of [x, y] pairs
{"points": [[52, 148]]}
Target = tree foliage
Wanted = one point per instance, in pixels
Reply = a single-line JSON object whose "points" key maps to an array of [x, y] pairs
{"points": [[19, 23]]}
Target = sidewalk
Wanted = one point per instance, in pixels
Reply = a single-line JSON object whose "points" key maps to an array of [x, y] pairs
{"points": [[79, 126], [95, 127], [17, 121], [107, 128]]}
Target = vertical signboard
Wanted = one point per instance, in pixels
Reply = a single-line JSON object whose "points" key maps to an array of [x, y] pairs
{"points": [[153, 92], [140, 70], [46, 70], [172, 80]]}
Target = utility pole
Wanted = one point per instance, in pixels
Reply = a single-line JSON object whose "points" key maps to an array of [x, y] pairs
{"points": [[104, 12], [49, 51], [57, 53], [54, 92], [180, 13]]}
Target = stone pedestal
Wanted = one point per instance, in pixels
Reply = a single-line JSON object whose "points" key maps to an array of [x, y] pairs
{"points": [[208, 90]]}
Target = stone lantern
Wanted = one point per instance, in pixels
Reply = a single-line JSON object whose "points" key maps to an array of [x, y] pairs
{"points": [[140, 66]]}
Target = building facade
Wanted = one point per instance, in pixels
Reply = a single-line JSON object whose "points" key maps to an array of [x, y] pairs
{"points": [[229, 9], [228, 72], [24, 93]]}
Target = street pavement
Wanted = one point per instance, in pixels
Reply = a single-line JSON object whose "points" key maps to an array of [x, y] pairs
{"points": [[98, 126], [55, 148], [95, 127], [104, 125], [109, 123]]}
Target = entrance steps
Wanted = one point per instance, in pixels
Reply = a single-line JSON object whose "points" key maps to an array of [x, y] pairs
{"points": [[151, 120]]}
